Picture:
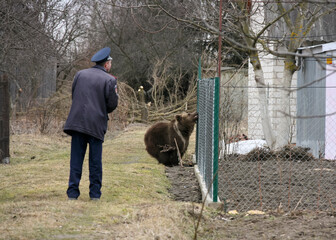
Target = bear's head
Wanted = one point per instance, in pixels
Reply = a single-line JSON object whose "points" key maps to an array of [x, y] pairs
{"points": [[186, 122]]}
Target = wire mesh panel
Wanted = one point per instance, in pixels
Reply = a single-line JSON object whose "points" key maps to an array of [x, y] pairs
{"points": [[297, 176], [207, 133]]}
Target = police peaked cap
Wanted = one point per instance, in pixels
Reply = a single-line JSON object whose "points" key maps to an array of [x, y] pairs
{"points": [[102, 55]]}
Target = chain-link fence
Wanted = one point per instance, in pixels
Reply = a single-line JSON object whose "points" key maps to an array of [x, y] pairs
{"points": [[294, 177], [207, 134], [298, 176]]}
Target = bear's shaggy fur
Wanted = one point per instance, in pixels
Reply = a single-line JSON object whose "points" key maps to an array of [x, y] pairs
{"points": [[160, 138]]}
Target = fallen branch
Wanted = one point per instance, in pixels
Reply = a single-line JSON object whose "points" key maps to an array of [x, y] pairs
{"points": [[178, 153]]}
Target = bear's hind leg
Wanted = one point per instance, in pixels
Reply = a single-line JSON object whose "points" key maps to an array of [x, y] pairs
{"points": [[166, 158]]}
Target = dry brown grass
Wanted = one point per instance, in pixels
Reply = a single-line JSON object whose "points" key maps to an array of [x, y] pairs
{"points": [[134, 205]]}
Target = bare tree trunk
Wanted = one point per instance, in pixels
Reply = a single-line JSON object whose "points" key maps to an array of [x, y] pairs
{"points": [[264, 112], [284, 130]]}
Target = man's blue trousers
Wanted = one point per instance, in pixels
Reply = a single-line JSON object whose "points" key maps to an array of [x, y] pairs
{"points": [[79, 144]]}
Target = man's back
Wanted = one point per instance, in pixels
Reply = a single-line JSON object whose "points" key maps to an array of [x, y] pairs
{"points": [[91, 92]]}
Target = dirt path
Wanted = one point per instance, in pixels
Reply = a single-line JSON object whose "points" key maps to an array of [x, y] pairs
{"points": [[185, 186], [275, 225], [304, 225]]}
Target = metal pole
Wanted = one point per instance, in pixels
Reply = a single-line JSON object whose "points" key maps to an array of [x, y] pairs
{"points": [[199, 77], [215, 140], [216, 109], [220, 39]]}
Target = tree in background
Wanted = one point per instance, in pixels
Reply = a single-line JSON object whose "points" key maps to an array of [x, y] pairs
{"points": [[34, 37], [150, 49], [146, 44], [155, 44], [298, 23], [246, 28]]}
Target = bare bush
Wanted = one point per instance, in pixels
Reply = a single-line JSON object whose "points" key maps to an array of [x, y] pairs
{"points": [[167, 92], [43, 117], [127, 110]]}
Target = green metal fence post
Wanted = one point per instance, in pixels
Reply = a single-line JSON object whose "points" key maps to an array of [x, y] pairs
{"points": [[215, 141], [198, 79]]}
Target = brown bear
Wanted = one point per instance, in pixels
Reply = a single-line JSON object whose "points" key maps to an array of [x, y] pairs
{"points": [[162, 137]]}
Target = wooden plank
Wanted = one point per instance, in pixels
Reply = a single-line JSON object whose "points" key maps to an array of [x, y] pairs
{"points": [[4, 119]]}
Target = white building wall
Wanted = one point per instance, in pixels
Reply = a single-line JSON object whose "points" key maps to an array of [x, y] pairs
{"points": [[273, 68]]}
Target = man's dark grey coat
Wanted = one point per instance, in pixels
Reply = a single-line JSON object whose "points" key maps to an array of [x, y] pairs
{"points": [[94, 95]]}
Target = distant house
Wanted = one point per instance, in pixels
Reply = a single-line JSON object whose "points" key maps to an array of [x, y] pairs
{"points": [[323, 31]]}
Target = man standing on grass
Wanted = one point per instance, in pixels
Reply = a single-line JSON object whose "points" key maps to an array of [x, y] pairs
{"points": [[94, 95]]}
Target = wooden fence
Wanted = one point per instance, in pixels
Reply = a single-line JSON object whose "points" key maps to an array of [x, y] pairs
{"points": [[4, 119]]}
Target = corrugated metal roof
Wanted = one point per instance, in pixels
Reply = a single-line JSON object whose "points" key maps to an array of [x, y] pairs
{"points": [[321, 48]]}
